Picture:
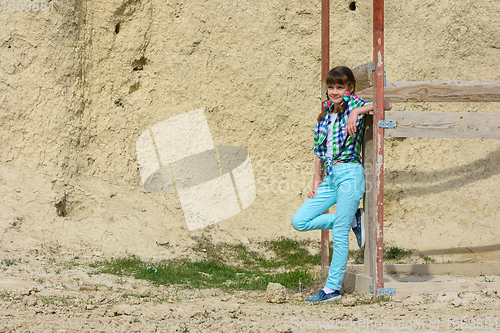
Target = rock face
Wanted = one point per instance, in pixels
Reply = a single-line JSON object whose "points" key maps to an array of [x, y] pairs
{"points": [[80, 82], [275, 293]]}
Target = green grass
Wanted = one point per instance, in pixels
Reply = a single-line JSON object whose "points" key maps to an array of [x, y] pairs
{"points": [[225, 266], [292, 253], [54, 300], [486, 279], [390, 253], [427, 259], [396, 253], [235, 266], [358, 256], [8, 262]]}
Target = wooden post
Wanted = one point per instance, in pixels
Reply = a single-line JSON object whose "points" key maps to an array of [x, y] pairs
{"points": [[369, 198], [378, 140], [325, 64]]}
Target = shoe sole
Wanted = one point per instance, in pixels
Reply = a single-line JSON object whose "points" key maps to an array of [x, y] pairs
{"points": [[333, 298], [326, 300]]}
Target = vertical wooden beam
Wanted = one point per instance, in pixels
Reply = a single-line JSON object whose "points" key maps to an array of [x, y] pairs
{"points": [[325, 64], [325, 43], [378, 139], [369, 198]]}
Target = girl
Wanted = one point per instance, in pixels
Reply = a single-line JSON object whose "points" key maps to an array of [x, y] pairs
{"points": [[337, 144]]}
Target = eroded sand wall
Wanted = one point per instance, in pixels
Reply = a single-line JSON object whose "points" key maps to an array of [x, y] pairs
{"points": [[80, 84]]}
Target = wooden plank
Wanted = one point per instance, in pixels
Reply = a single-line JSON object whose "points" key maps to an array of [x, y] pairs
{"points": [[364, 76], [456, 268], [438, 91], [462, 269], [424, 124], [369, 198]]}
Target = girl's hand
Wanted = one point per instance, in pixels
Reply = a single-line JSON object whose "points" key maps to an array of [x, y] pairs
{"points": [[312, 194], [314, 191], [350, 126], [387, 105]]}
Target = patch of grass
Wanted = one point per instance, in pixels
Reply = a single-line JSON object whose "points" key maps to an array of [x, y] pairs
{"points": [[226, 266], [427, 259], [358, 256], [68, 265], [55, 300], [396, 253], [202, 274], [8, 262], [292, 253], [486, 279]]}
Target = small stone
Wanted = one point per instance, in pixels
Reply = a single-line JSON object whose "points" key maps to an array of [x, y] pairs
{"points": [[28, 291], [143, 292], [490, 292], [457, 302], [99, 297], [275, 293], [348, 301], [88, 287], [298, 296], [30, 301], [122, 310]]}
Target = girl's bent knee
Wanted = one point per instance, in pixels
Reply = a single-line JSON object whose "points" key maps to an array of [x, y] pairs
{"points": [[298, 223]]}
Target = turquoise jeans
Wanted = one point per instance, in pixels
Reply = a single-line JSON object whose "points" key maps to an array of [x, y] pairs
{"points": [[344, 187]]}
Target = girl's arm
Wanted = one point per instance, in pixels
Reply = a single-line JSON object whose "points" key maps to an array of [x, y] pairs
{"points": [[317, 177], [353, 117]]}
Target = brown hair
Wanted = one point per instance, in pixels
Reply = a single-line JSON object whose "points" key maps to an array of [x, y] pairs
{"points": [[339, 75]]}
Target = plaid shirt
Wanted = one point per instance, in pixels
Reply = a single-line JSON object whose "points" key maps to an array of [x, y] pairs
{"points": [[346, 149]]}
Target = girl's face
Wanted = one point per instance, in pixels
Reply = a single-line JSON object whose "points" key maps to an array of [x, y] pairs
{"points": [[336, 92]]}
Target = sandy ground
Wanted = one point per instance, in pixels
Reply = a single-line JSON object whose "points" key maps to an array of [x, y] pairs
{"points": [[41, 294]]}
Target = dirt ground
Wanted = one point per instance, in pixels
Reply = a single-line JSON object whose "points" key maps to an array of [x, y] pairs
{"points": [[42, 294]]}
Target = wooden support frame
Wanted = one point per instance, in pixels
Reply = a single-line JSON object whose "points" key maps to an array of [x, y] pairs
{"points": [[409, 124], [371, 86]]}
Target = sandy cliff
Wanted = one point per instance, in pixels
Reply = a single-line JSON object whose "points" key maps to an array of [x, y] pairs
{"points": [[79, 84]]}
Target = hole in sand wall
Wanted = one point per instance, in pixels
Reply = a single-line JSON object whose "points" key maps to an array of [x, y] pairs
{"points": [[352, 6], [117, 28], [134, 87], [138, 65], [61, 207]]}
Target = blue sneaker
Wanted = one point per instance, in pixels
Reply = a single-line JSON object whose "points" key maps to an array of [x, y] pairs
{"points": [[322, 297], [359, 231]]}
